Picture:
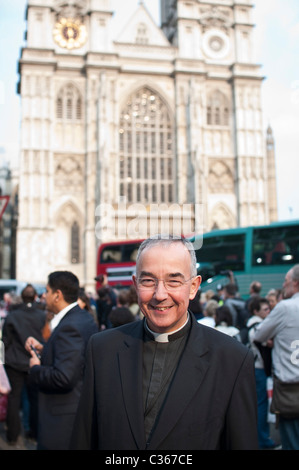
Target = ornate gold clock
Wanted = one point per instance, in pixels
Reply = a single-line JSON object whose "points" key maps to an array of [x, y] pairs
{"points": [[69, 33]]}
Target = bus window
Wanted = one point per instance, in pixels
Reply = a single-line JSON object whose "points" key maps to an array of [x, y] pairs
{"points": [[220, 253], [111, 254], [130, 253], [275, 246]]}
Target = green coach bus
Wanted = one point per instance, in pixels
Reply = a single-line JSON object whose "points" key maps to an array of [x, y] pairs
{"points": [[258, 253]]}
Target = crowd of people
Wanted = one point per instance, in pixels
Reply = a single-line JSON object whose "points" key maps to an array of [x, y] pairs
{"points": [[226, 311], [29, 315], [44, 352], [270, 338]]}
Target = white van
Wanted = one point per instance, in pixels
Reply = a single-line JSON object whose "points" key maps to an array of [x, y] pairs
{"points": [[15, 287]]}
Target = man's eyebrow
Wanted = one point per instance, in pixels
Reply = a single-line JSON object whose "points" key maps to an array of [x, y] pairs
{"points": [[146, 273], [177, 275]]}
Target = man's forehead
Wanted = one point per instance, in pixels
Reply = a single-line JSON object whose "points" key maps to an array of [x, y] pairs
{"points": [[159, 256]]}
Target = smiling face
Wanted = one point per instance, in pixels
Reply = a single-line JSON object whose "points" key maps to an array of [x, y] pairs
{"points": [[165, 310]]}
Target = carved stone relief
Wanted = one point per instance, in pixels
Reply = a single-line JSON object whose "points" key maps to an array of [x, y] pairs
{"points": [[69, 174], [220, 178]]}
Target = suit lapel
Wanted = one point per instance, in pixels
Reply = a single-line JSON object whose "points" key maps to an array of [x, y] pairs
{"points": [[130, 361], [188, 378]]}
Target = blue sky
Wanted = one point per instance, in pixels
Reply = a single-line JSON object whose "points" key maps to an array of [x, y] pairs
{"points": [[277, 40]]}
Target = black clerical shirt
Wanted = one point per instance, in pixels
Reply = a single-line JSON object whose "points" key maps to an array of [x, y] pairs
{"points": [[161, 355]]}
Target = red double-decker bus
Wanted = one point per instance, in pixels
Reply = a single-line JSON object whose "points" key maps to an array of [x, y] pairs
{"points": [[117, 261]]}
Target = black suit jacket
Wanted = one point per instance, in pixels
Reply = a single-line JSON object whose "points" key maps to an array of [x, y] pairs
{"points": [[211, 403], [60, 377], [23, 320]]}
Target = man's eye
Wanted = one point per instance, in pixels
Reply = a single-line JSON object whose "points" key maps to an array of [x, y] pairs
{"points": [[147, 282], [173, 283]]}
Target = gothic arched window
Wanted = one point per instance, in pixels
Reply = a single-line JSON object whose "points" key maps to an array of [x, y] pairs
{"points": [[59, 108], [75, 243], [147, 166], [217, 110], [69, 103]]}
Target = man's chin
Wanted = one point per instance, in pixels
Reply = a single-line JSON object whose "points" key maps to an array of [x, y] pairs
{"points": [[161, 324]]}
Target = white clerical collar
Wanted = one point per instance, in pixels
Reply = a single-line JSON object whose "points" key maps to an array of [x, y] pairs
{"points": [[59, 316], [163, 337]]}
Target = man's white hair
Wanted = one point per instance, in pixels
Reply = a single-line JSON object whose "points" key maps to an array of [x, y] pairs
{"points": [[295, 272]]}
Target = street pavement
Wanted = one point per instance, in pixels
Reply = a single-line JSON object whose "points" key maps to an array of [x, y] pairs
{"points": [[22, 444], [28, 444]]}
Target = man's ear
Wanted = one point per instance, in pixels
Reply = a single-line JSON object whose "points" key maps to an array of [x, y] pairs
{"points": [[58, 295], [196, 281]]}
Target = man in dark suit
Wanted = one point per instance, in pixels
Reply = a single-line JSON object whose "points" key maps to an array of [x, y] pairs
{"points": [[167, 382], [24, 319], [59, 372]]}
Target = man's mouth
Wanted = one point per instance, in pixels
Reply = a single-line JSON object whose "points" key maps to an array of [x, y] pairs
{"points": [[161, 309]]}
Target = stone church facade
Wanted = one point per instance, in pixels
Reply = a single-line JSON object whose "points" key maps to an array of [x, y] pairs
{"points": [[119, 128]]}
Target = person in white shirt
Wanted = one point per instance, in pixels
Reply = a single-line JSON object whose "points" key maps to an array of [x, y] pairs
{"points": [[282, 325], [209, 314], [260, 309], [224, 323]]}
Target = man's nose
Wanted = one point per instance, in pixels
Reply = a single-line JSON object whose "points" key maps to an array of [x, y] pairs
{"points": [[160, 290]]}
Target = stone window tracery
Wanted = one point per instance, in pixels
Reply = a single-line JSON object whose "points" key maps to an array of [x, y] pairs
{"points": [[69, 104], [146, 144], [217, 110]]}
